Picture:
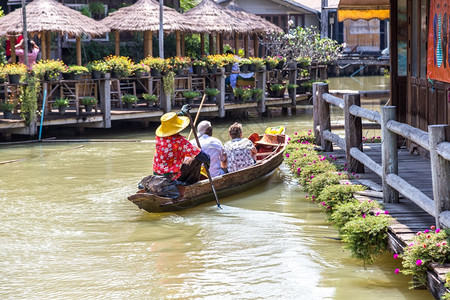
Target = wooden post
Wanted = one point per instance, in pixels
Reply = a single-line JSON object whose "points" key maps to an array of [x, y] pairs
{"points": [[49, 45], [221, 97], [12, 40], [353, 132], [389, 154], [293, 80], [218, 43], [117, 42], [166, 100], [221, 43], [324, 117], [246, 45], [178, 43], [183, 44], [148, 43], [211, 44], [78, 45], [261, 84], [440, 171], [202, 44], [105, 101], [255, 45], [236, 43], [43, 46]]}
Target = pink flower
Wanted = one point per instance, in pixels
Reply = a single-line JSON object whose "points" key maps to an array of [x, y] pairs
{"points": [[426, 231], [437, 230], [377, 213], [313, 196], [364, 216], [287, 154], [419, 233], [312, 176], [424, 245], [428, 236], [395, 256], [419, 262], [433, 227], [397, 271], [444, 243], [386, 212], [306, 196], [295, 133]]}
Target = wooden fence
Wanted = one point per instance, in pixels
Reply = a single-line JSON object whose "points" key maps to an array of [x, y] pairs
{"points": [[434, 141]]}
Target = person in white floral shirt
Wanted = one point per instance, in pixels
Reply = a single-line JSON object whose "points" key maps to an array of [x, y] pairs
{"points": [[239, 152]]}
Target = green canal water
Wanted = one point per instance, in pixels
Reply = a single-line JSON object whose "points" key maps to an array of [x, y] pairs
{"points": [[67, 231]]}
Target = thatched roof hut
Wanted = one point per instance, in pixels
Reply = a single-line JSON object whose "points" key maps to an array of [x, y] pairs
{"points": [[255, 23], [211, 17], [52, 16], [144, 16]]}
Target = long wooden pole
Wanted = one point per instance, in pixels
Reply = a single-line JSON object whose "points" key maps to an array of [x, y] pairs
{"points": [[117, 42], [218, 43], [202, 44], [211, 44], [43, 45], [161, 28], [183, 44], [246, 45], [255, 45], [236, 43], [178, 43], [78, 47], [197, 115], [49, 48], [25, 32], [12, 40], [148, 43]]}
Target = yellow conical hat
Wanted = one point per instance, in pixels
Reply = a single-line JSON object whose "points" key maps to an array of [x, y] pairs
{"points": [[171, 124]]}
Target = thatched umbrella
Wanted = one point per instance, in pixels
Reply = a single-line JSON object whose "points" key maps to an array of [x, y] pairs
{"points": [[213, 18], [45, 16], [256, 24], [144, 16]]}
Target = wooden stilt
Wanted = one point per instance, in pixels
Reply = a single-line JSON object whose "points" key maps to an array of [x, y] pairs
{"points": [[217, 43], [202, 44], [178, 43], [255, 45], [43, 45], [221, 43], [236, 43], [78, 45], [117, 41], [49, 45], [12, 40], [148, 43], [246, 45], [211, 44], [183, 46]]}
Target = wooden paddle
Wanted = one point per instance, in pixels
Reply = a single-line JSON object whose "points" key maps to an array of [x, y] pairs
{"points": [[206, 167], [197, 115]]}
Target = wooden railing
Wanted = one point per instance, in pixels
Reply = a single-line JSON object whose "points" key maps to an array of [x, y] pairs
{"points": [[434, 141]]}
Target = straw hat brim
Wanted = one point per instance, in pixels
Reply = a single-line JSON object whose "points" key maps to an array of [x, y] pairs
{"points": [[165, 132]]}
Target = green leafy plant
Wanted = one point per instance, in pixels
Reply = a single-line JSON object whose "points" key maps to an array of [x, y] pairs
{"points": [[446, 295], [50, 68], [29, 99], [15, 69], [277, 87], [8, 105], [345, 212], [76, 69], [292, 86], [338, 194], [97, 8], [238, 91], [85, 11], [120, 64], [212, 92], [61, 102], [168, 83], [127, 98], [191, 94], [88, 101], [428, 246], [257, 93], [150, 98], [366, 236], [304, 73], [258, 62], [245, 61]]}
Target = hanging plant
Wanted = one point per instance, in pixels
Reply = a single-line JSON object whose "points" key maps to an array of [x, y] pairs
{"points": [[168, 83]]}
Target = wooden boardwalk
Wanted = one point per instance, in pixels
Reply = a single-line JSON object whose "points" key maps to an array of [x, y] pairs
{"points": [[409, 218]]}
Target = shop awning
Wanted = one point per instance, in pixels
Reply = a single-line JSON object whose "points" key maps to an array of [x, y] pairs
{"points": [[363, 9]]}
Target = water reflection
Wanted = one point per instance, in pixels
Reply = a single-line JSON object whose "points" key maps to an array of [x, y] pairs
{"points": [[67, 231]]}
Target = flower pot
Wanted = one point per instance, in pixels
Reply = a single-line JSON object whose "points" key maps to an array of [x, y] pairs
{"points": [[52, 76], [138, 74], [238, 98], [280, 93], [14, 78], [269, 67], [96, 74], [243, 68], [252, 68], [115, 74], [62, 109], [212, 70], [189, 100], [7, 114], [280, 65], [129, 105], [88, 108], [178, 72], [197, 69], [75, 76], [212, 99], [155, 72], [228, 68], [66, 76]]}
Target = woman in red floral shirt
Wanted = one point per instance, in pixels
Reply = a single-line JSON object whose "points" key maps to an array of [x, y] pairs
{"points": [[172, 149]]}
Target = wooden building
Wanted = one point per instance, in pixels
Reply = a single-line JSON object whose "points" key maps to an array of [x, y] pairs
{"points": [[420, 59]]}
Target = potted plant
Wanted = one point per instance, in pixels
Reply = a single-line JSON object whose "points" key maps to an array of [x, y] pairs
{"points": [[49, 70], [278, 90], [151, 99], [228, 60], [121, 66], [129, 100], [307, 85], [281, 62], [138, 70], [61, 104], [238, 94], [244, 65], [98, 69], [213, 62], [256, 94], [258, 63], [212, 93], [197, 66], [88, 103], [247, 96], [74, 72], [271, 62], [292, 88], [7, 107], [15, 72], [156, 64], [190, 95], [178, 64], [303, 61]]}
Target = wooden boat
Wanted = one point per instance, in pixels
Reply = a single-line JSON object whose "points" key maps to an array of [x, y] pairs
{"points": [[269, 157]]}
